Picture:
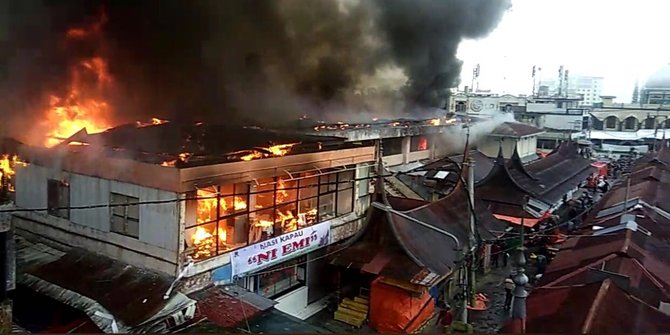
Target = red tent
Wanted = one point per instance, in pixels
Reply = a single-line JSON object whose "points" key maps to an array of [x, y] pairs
{"points": [[398, 310], [601, 168]]}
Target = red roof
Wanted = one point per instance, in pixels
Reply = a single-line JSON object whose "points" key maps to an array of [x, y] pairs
{"points": [[600, 307], [224, 310]]}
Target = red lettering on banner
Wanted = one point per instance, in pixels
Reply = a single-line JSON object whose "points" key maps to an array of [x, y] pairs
{"points": [[292, 247], [263, 257]]}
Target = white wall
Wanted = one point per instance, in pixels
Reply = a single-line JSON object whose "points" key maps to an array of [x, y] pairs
{"points": [[294, 302], [159, 223], [563, 122], [525, 146]]}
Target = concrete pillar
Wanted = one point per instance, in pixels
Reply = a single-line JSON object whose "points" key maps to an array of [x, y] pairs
{"points": [[431, 147], [406, 146]]}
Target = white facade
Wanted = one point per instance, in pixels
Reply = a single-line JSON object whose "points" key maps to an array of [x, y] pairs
{"points": [[525, 146], [167, 216], [157, 246], [591, 88], [480, 104]]}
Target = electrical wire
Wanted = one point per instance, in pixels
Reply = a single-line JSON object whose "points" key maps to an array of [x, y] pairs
{"points": [[162, 202]]}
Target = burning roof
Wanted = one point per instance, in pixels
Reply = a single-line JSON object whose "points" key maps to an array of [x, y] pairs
{"points": [[185, 145]]}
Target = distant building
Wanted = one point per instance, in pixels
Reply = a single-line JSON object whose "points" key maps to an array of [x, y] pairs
{"points": [[560, 118], [484, 104], [589, 87], [617, 129], [512, 137], [656, 90]]}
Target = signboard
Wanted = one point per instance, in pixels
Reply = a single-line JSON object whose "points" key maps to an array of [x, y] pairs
{"points": [[280, 248]]}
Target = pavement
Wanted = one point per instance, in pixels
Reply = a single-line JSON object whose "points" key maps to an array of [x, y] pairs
{"points": [[275, 321]]}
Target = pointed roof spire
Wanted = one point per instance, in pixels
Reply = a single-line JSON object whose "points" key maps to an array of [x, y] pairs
{"points": [[500, 159]]}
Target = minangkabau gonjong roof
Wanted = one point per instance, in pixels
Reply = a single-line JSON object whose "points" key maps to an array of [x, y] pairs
{"points": [[394, 246], [544, 181]]}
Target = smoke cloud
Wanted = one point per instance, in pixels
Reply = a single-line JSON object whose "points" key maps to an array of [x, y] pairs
{"points": [[246, 61]]}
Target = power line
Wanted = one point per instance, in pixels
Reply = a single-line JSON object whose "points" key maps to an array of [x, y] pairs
{"points": [[174, 200]]}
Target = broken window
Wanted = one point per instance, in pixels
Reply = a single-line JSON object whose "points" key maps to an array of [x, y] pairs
{"points": [[419, 143], [125, 215], [229, 217], [58, 198]]}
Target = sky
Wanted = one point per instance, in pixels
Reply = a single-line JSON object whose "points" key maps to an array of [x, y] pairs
{"points": [[620, 40]]}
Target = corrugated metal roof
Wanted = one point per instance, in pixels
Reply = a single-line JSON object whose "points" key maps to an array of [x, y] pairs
{"points": [[96, 284], [547, 179], [601, 307]]}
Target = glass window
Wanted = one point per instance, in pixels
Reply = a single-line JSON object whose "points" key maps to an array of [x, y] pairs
{"points": [[630, 123], [125, 218], [326, 206], [262, 225], [328, 183], [286, 218], [307, 215], [235, 215], [58, 198], [419, 143], [308, 187], [286, 191], [610, 122], [281, 278], [392, 146], [345, 201], [201, 241]]}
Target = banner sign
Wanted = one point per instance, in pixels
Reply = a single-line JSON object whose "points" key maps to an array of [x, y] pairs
{"points": [[280, 248]]}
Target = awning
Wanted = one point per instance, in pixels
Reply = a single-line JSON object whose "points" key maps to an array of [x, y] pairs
{"points": [[530, 223]]}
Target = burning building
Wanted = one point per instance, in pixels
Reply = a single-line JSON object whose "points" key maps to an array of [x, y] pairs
{"points": [[231, 200]]}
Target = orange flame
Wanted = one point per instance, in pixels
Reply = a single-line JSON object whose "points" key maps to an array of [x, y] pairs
{"points": [[153, 122], [203, 239], [8, 168], [82, 106], [184, 156], [435, 122], [274, 151]]}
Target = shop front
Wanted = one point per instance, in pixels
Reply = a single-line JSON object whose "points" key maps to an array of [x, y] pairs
{"points": [[283, 268]]}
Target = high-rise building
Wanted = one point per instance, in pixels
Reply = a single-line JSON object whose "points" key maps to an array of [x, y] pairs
{"points": [[588, 86], [591, 88]]}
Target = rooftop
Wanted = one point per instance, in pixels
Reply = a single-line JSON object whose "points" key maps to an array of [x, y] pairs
{"points": [[515, 129], [187, 145], [599, 307]]}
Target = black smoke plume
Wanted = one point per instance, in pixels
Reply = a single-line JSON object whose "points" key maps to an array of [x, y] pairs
{"points": [[242, 60]]}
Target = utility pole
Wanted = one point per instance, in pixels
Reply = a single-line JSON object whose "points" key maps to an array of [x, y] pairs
{"points": [[472, 240], [520, 294]]}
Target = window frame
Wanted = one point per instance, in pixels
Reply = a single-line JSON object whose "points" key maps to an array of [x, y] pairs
{"points": [[62, 200], [328, 183], [127, 219]]}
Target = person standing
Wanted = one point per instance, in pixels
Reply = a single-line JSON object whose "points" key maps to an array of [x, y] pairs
{"points": [[505, 257], [445, 317], [495, 253], [509, 287]]}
